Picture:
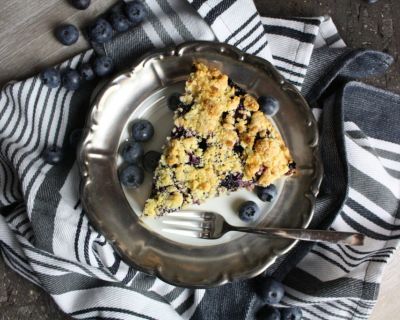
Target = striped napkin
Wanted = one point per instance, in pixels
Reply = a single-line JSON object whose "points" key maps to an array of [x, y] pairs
{"points": [[46, 237]]}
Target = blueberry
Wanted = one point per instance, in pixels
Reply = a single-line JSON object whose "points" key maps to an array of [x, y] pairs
{"points": [[135, 11], [71, 79], [267, 193], [270, 290], [86, 72], [268, 313], [101, 31], [67, 34], [80, 4], [119, 22], [294, 313], [53, 155], [174, 101], [51, 77], [371, 1], [103, 66], [268, 105], [142, 130], [150, 160], [249, 211], [75, 137], [131, 176], [132, 151]]}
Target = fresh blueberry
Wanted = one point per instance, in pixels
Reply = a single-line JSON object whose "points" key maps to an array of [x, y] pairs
{"points": [[67, 34], [80, 4], [71, 79], [294, 313], [150, 160], [75, 138], [271, 291], [249, 211], [119, 22], [86, 72], [268, 105], [51, 77], [53, 155], [101, 31], [142, 130], [174, 101], [131, 176], [135, 11], [103, 66], [371, 1], [268, 313], [267, 193], [132, 151]]}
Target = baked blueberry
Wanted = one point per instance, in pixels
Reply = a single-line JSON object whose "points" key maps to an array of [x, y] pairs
{"points": [[103, 66], [150, 160], [71, 79], [249, 211], [51, 77], [142, 130], [80, 4], [86, 72], [131, 176], [294, 313], [132, 151], [75, 137], [271, 291], [267, 193], [135, 11], [119, 22], [268, 105], [67, 34], [53, 155], [268, 313], [100, 31], [174, 101]]}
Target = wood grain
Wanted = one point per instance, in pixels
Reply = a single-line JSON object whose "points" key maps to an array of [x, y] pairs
{"points": [[27, 45]]}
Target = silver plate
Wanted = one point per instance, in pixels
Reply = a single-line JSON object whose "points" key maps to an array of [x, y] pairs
{"points": [[142, 92]]}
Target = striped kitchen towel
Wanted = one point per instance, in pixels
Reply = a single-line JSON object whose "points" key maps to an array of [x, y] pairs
{"points": [[46, 237]]}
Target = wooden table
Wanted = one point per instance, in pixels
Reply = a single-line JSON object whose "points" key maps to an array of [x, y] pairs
{"points": [[27, 44]]}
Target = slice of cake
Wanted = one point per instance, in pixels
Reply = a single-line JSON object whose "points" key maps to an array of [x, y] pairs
{"points": [[220, 142]]}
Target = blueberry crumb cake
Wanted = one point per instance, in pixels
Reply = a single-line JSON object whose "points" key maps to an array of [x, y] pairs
{"points": [[220, 142]]}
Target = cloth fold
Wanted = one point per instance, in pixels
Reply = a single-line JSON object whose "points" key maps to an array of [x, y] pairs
{"points": [[46, 237]]}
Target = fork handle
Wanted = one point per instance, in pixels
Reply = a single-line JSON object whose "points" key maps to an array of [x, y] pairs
{"points": [[348, 238]]}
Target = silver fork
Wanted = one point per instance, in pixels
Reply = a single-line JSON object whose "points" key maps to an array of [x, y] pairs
{"points": [[211, 225]]}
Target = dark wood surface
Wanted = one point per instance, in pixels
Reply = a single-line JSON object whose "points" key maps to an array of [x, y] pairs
{"points": [[27, 44]]}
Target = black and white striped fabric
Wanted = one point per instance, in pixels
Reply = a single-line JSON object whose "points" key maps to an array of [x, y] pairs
{"points": [[46, 237]]}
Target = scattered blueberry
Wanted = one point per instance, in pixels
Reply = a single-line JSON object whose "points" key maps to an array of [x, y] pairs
{"points": [[103, 66], [51, 77], [150, 160], [80, 4], [142, 130], [268, 313], [86, 72], [131, 176], [67, 34], [119, 22], [249, 211], [75, 137], [268, 105], [53, 155], [101, 31], [174, 101], [267, 193], [271, 291], [132, 151], [294, 313], [71, 79], [135, 11], [371, 1]]}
